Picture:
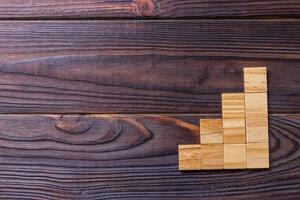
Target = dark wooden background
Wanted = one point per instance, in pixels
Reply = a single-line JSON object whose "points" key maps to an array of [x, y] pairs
{"points": [[96, 95]]}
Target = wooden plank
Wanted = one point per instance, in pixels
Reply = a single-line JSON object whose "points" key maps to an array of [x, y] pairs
{"points": [[132, 157], [235, 156], [143, 66], [190, 157], [258, 155], [149, 8], [211, 131], [233, 114]]}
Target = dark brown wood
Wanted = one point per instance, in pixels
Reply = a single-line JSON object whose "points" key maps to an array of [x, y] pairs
{"points": [[53, 9], [132, 157], [143, 66]]}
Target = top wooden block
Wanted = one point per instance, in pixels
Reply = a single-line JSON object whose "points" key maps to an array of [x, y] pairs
{"points": [[255, 79], [211, 131]]}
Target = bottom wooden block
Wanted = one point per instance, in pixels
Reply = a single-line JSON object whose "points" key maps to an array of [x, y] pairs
{"points": [[257, 155], [235, 156], [190, 157], [212, 156]]}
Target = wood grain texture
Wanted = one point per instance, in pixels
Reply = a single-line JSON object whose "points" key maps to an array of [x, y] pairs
{"points": [[258, 155], [211, 131], [101, 66], [233, 114], [235, 156], [255, 79], [190, 157], [256, 110], [212, 156], [132, 157], [54, 9]]}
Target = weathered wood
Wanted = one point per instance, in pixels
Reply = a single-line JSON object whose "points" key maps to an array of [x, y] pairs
{"points": [[143, 66], [132, 157], [54, 9]]}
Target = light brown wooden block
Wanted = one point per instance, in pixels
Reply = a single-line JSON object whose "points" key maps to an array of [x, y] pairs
{"points": [[233, 110], [256, 109], [255, 79], [256, 105], [258, 155], [233, 105], [190, 157], [211, 131], [212, 156], [235, 156]]}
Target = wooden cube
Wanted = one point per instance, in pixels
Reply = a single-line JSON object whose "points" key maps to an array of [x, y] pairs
{"points": [[257, 155], [211, 131], [212, 156], [256, 109], [190, 157], [256, 105], [233, 110], [255, 79], [235, 156], [233, 105]]}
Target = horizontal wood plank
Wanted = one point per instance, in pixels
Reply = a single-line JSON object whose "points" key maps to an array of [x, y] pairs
{"points": [[53, 9], [143, 66], [132, 157]]}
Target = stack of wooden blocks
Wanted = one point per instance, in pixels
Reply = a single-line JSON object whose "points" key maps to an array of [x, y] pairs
{"points": [[240, 139]]}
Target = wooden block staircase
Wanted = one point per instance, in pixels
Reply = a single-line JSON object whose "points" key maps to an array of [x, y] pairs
{"points": [[239, 140]]}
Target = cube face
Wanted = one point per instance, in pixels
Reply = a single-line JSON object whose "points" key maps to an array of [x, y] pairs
{"points": [[213, 156], [235, 156], [233, 110], [256, 105], [257, 130], [211, 131], [255, 79], [233, 105], [234, 131], [190, 157], [257, 155]]}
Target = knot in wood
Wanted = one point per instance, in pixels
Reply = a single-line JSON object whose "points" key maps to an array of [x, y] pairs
{"points": [[145, 7]]}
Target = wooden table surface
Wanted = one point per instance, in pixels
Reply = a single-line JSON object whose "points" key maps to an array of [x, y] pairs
{"points": [[96, 96]]}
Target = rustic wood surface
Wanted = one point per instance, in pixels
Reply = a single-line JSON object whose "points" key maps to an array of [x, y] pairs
{"points": [[115, 66], [143, 66], [132, 157], [53, 9]]}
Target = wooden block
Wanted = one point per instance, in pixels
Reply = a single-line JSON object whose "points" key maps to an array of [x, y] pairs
{"points": [[211, 131], [257, 130], [233, 105], [235, 156], [233, 110], [255, 79], [212, 156], [256, 110], [257, 155], [190, 157], [256, 105]]}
